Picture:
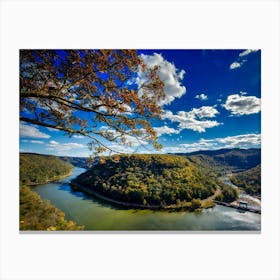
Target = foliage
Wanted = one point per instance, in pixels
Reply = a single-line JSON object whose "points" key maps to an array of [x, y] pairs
{"points": [[77, 91], [38, 214], [82, 162], [228, 194], [249, 180], [211, 167], [195, 203], [207, 204], [40, 169], [148, 180], [218, 162], [35, 213], [240, 159]]}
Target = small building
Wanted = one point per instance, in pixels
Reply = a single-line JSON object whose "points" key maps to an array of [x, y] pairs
{"points": [[243, 204]]}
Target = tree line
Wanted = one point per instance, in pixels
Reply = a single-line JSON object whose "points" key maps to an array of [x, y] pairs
{"points": [[36, 213], [40, 169], [249, 180], [149, 180]]}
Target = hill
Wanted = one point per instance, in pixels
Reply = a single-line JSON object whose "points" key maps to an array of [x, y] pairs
{"points": [[39, 169], [225, 160], [148, 180], [35, 213], [38, 214], [249, 180], [76, 161]]}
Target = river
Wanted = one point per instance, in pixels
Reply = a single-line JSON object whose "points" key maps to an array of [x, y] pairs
{"points": [[95, 214], [253, 202]]}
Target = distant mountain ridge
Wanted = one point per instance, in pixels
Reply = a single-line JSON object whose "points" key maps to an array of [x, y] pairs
{"points": [[226, 159], [75, 161], [222, 159], [221, 151]]}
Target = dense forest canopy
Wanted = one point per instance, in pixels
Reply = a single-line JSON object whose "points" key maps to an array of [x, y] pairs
{"points": [[148, 179], [225, 160], [35, 213], [38, 214], [249, 180], [39, 169]]}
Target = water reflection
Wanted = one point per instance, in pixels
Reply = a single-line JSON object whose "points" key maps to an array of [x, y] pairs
{"points": [[67, 188], [96, 214]]}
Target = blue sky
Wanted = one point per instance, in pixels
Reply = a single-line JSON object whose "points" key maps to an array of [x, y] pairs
{"points": [[212, 101]]}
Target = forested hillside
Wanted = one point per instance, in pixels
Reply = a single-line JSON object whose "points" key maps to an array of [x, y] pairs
{"points": [[38, 214], [40, 169], [35, 213], [225, 160], [249, 180], [148, 180], [76, 161]]}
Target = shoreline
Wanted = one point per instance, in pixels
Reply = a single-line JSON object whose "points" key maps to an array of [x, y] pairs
{"points": [[53, 180], [243, 196], [78, 187], [61, 224], [226, 204]]}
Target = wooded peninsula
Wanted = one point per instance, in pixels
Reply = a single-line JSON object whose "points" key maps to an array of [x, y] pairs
{"points": [[150, 181]]}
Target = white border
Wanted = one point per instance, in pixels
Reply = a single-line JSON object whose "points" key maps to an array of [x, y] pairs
{"points": [[124, 24]]}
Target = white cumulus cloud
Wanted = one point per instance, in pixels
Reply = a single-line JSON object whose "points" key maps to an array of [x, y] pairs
{"points": [[201, 96], [246, 52], [33, 141], [63, 147], [31, 131], [235, 65], [196, 119], [165, 130], [168, 73], [243, 141], [240, 60], [120, 148], [113, 134], [242, 105]]}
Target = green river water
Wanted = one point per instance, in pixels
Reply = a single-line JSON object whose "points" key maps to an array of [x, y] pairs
{"points": [[95, 214]]}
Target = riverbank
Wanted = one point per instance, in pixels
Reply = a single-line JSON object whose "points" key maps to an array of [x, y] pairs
{"points": [[236, 206], [39, 214], [98, 215], [52, 180], [206, 203], [253, 202]]}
